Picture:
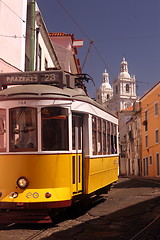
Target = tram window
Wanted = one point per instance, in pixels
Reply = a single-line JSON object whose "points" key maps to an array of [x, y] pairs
{"points": [[79, 132], [99, 136], [94, 135], [54, 129], [23, 129], [112, 138], [104, 137], [108, 139], [76, 124], [73, 133], [2, 130], [112, 144], [115, 138]]}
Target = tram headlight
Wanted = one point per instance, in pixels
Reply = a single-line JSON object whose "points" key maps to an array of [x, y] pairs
{"points": [[22, 182]]}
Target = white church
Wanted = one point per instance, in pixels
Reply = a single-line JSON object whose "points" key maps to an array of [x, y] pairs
{"points": [[122, 94]]}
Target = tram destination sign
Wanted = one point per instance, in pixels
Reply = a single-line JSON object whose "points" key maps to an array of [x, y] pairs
{"points": [[56, 77]]}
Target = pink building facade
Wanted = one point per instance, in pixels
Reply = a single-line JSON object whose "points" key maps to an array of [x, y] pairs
{"points": [[12, 35], [66, 46]]}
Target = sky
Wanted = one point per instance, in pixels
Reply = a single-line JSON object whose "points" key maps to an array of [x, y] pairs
{"points": [[119, 28]]}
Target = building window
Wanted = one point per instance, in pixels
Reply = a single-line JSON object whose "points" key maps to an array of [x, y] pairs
{"points": [[156, 109], [39, 57], [146, 141], [45, 64], [150, 160], [156, 136], [136, 127], [127, 88], [158, 163], [145, 165], [137, 145], [116, 89], [146, 120]]}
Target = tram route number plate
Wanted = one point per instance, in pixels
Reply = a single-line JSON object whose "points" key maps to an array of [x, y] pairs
{"points": [[55, 77]]}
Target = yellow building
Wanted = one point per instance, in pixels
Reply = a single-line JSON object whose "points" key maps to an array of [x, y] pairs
{"points": [[150, 115]]}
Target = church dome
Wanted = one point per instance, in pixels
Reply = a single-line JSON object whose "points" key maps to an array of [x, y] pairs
{"points": [[105, 75], [105, 84], [124, 75], [124, 69]]}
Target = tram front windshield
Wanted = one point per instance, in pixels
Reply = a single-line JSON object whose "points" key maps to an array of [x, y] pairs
{"points": [[24, 130], [54, 129]]}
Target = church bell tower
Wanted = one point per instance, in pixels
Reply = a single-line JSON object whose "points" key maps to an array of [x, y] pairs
{"points": [[124, 89]]}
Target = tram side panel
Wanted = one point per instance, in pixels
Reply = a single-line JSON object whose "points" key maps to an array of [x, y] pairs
{"points": [[100, 172], [101, 159]]}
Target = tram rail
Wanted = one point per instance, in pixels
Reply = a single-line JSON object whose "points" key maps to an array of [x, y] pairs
{"points": [[142, 233]]}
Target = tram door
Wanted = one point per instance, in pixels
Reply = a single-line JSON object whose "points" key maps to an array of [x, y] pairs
{"points": [[77, 153]]}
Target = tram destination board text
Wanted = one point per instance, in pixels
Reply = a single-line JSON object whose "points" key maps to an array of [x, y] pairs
{"points": [[49, 77]]}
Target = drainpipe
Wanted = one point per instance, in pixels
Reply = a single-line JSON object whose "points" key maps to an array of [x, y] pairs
{"points": [[32, 38], [36, 63]]}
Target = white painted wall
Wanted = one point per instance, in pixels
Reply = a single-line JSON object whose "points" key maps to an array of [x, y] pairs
{"points": [[45, 54]]}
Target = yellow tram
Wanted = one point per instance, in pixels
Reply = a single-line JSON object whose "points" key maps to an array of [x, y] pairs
{"points": [[56, 143]]}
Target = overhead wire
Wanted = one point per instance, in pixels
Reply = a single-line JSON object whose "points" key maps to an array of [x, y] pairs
{"points": [[87, 36], [11, 36], [76, 23], [12, 11]]}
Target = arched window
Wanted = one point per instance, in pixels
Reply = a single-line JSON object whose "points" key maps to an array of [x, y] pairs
{"points": [[127, 88], [116, 88]]}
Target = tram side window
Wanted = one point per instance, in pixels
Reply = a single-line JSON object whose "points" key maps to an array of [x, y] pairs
{"points": [[2, 130], [99, 136], [113, 139], [104, 137], [76, 125], [94, 135], [108, 138], [54, 129], [23, 129]]}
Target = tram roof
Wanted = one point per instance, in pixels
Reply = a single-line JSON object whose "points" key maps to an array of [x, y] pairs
{"points": [[48, 91]]}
